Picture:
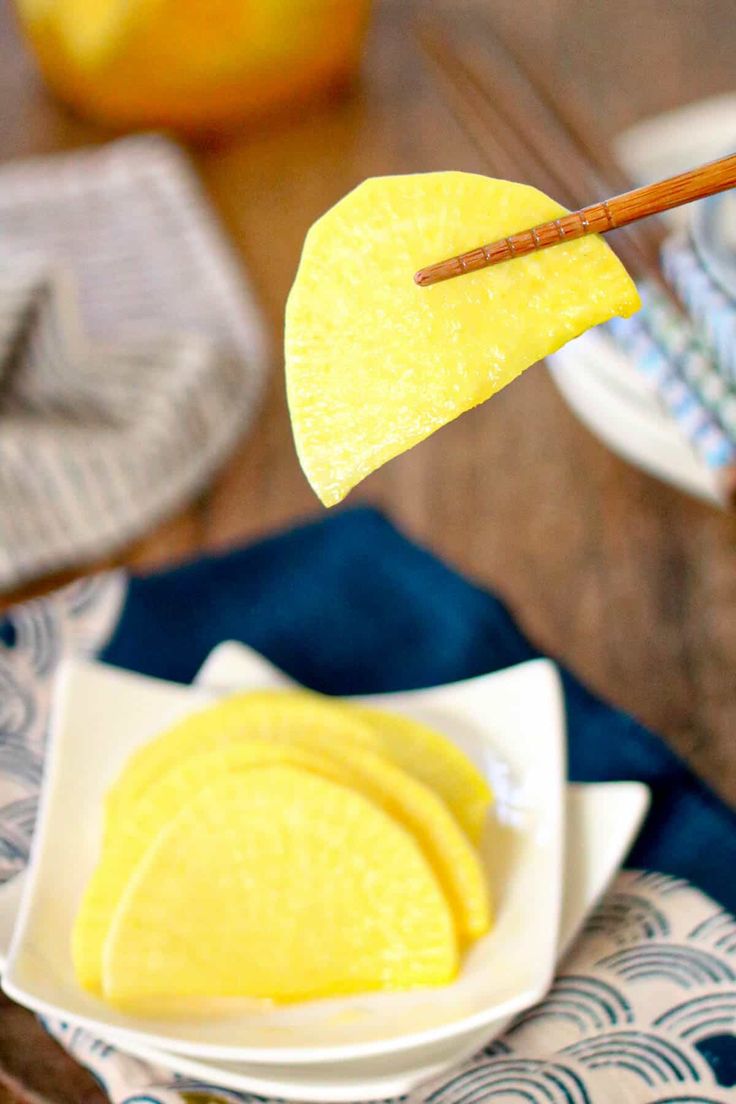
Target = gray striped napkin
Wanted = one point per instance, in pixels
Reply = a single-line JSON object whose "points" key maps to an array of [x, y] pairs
{"points": [[131, 352]]}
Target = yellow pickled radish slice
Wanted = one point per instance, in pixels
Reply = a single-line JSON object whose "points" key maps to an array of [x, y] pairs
{"points": [[454, 860], [276, 883], [419, 809], [310, 719], [144, 819], [374, 364], [435, 761], [263, 714]]}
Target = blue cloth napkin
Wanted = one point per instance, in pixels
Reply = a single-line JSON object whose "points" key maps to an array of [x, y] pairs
{"points": [[347, 605]]}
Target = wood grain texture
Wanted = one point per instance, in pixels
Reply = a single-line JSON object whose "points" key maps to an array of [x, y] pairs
{"points": [[34, 1068], [626, 581]]}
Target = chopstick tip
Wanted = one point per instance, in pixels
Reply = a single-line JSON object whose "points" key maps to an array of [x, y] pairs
{"points": [[436, 273], [450, 268]]}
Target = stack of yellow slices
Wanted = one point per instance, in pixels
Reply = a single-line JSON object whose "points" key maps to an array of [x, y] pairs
{"points": [[283, 846]]}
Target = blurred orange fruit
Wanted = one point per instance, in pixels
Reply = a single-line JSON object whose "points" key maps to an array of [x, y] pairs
{"points": [[189, 64]]}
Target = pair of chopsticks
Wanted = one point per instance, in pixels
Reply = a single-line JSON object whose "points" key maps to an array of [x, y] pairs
{"points": [[596, 218], [525, 127]]}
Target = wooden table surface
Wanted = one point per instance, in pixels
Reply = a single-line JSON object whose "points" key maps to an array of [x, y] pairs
{"points": [[628, 582]]}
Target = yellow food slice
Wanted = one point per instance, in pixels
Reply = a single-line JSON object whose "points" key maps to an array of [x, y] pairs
{"points": [[133, 833], [278, 884], [435, 761], [299, 716], [412, 804], [310, 720], [375, 364]]}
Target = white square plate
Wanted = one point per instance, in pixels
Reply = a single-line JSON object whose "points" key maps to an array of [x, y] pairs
{"points": [[511, 723], [601, 821]]}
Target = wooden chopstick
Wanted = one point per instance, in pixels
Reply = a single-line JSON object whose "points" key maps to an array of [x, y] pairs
{"points": [[500, 100], [597, 218], [523, 127]]}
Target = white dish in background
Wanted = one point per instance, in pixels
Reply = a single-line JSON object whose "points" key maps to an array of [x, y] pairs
{"points": [[600, 383], [511, 723], [677, 140], [609, 396]]}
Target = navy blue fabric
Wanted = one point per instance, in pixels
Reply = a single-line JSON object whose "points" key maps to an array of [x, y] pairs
{"points": [[347, 605]]}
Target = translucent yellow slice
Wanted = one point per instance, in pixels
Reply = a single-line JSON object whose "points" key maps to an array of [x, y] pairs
{"points": [[278, 884], [298, 716], [133, 833], [310, 720], [435, 761], [375, 364], [412, 804], [419, 809]]}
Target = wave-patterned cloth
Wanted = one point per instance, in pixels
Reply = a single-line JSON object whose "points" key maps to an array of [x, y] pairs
{"points": [[131, 352], [643, 1010]]}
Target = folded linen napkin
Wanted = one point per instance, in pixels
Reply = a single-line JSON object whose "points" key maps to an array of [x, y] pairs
{"points": [[643, 1010], [131, 352]]}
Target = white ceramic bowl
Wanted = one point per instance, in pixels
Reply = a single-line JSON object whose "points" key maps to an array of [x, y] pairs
{"points": [[511, 723]]}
